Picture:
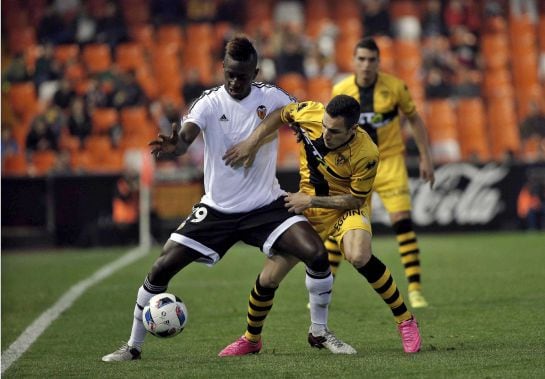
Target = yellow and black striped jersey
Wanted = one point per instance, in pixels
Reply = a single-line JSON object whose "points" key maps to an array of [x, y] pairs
{"points": [[380, 104], [349, 169]]}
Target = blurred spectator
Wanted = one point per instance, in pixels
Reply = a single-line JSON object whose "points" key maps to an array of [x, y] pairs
{"points": [[79, 121], [467, 83], [232, 11], [41, 136], [10, 146], [192, 87], [436, 53], [534, 123], [462, 12], [64, 95], [288, 13], [436, 86], [17, 71], [465, 47], [201, 11], [376, 19], [56, 29], [125, 209], [433, 22], [47, 68], [165, 113], [530, 206], [95, 97], [167, 12], [111, 27], [55, 119], [318, 64], [86, 27], [128, 92], [291, 54]]}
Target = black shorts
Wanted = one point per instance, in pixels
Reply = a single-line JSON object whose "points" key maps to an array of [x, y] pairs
{"points": [[212, 233]]}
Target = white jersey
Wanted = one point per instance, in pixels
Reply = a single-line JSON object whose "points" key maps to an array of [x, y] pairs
{"points": [[224, 122]]}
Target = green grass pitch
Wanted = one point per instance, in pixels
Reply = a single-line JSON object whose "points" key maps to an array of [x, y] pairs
{"points": [[486, 317]]}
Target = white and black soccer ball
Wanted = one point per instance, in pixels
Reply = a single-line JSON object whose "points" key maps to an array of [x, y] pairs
{"points": [[165, 315]]}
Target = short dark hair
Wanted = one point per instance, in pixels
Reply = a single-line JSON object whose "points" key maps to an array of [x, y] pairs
{"points": [[367, 43], [241, 49], [346, 107]]}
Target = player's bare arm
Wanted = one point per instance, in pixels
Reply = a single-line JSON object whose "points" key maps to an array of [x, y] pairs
{"points": [[421, 138], [243, 153], [177, 142], [297, 202]]}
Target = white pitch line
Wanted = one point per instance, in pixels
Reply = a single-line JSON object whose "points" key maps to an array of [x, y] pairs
{"points": [[34, 330]]}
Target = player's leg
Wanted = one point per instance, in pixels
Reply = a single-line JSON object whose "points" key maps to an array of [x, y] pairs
{"points": [[357, 249], [392, 185], [260, 303], [306, 244], [334, 255], [173, 258], [410, 256]]}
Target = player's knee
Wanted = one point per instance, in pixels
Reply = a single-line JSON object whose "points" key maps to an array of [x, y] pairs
{"points": [[318, 259], [358, 257], [269, 281]]}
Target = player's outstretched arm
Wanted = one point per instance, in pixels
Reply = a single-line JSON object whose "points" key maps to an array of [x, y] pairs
{"points": [[243, 153], [421, 138], [177, 142]]}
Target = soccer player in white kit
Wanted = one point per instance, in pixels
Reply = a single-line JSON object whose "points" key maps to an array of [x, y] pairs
{"points": [[239, 204]]}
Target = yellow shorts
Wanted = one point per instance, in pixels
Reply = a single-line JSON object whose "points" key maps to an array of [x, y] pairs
{"points": [[392, 184], [332, 224]]}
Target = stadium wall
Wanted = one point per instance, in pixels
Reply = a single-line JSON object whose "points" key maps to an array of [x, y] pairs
{"points": [[62, 210]]}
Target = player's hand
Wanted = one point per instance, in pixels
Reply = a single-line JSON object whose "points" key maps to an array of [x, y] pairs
{"points": [[297, 202], [426, 171], [165, 144], [241, 154]]}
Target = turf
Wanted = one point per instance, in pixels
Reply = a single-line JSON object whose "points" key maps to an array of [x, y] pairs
{"points": [[485, 320]]}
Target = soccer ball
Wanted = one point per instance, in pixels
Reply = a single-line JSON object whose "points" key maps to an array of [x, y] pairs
{"points": [[165, 315]]}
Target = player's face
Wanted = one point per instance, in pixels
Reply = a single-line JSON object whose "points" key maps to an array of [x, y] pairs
{"points": [[366, 64], [335, 132], [238, 77]]}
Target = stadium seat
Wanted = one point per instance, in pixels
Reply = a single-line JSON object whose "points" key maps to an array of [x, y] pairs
{"points": [[503, 132], [294, 84], [135, 12], [14, 164], [317, 14], [403, 8], [495, 50], [21, 39], [170, 34], [408, 59], [144, 34], [497, 82], [347, 10], [288, 149], [43, 161], [386, 46], [471, 127], [441, 126], [23, 99], [97, 57], [80, 160], [98, 145], [103, 119], [147, 81], [129, 56], [319, 89], [134, 120], [65, 53]]}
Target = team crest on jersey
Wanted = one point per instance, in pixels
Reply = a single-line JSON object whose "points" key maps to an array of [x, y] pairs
{"points": [[340, 160], [261, 111], [385, 94]]}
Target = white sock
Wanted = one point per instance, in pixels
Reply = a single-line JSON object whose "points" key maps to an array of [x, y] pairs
{"points": [[138, 332], [319, 290]]}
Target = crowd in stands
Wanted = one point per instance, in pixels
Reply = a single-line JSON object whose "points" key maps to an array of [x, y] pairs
{"points": [[83, 81]]}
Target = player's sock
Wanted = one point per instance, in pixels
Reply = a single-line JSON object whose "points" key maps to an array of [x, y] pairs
{"points": [[259, 306], [334, 255], [319, 287], [380, 278], [145, 293], [409, 252]]}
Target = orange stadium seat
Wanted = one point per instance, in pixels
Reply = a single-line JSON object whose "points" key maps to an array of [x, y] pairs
{"points": [[147, 81], [103, 119], [288, 149], [67, 52], [97, 57], [319, 89], [344, 10], [129, 56], [43, 161], [497, 83], [170, 34], [98, 145], [503, 130], [293, 83], [144, 34], [135, 11], [22, 98], [495, 50], [317, 14], [441, 126], [15, 164], [134, 120], [386, 47], [471, 127], [21, 39]]}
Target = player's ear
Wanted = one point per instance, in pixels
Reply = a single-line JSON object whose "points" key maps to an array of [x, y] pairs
{"points": [[255, 73]]}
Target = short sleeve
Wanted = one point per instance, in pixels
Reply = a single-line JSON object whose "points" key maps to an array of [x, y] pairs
{"points": [[198, 113], [406, 103], [361, 184]]}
